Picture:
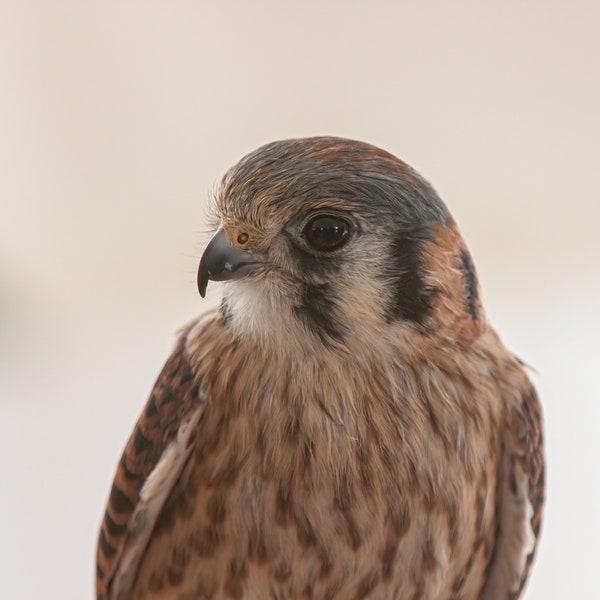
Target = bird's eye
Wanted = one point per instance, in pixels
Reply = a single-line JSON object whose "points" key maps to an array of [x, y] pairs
{"points": [[326, 232]]}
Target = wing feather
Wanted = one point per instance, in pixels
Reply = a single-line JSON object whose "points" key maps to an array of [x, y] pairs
{"points": [[149, 467], [521, 501]]}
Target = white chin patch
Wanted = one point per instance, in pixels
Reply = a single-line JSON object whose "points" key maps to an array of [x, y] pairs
{"points": [[253, 308]]}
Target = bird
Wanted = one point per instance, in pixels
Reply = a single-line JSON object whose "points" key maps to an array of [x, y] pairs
{"points": [[346, 423]]}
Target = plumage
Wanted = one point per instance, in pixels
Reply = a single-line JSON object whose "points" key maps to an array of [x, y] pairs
{"points": [[347, 424]]}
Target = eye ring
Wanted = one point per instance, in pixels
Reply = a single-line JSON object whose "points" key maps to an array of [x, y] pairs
{"points": [[326, 232]]}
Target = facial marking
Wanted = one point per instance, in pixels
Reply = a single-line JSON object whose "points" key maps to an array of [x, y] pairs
{"points": [[317, 310], [411, 297]]}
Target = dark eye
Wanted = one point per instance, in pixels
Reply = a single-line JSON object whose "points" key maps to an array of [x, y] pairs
{"points": [[326, 232]]}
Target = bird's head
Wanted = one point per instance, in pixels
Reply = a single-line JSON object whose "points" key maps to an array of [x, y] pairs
{"points": [[336, 241]]}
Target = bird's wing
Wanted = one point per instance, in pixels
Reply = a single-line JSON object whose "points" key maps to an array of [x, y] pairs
{"points": [[521, 500], [149, 467]]}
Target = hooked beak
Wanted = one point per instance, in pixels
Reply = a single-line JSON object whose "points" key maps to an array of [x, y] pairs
{"points": [[222, 262]]}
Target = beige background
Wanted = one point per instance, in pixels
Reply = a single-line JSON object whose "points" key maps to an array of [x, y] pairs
{"points": [[117, 118]]}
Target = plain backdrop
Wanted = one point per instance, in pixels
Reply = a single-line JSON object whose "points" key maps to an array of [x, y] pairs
{"points": [[118, 118]]}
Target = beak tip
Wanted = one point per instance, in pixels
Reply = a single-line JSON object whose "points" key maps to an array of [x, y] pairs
{"points": [[202, 281]]}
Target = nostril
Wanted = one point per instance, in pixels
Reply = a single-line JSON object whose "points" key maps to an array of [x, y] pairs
{"points": [[242, 238]]}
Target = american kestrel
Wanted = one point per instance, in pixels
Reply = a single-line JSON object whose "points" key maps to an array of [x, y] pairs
{"points": [[347, 424]]}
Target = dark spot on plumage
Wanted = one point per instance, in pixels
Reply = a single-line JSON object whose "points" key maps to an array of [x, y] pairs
{"points": [[345, 499], [331, 592], [174, 575], [291, 429], [215, 508], [237, 572], [354, 536], [119, 501], [238, 568], [157, 581], [326, 565], [344, 495], [257, 550], [304, 529], [107, 548], [400, 520], [470, 279], [206, 588], [140, 442], [367, 585], [489, 545], [167, 395], [452, 517], [366, 478], [308, 451], [412, 297], [99, 571], [429, 560], [185, 375], [364, 462], [434, 423], [419, 585], [205, 541], [317, 308], [388, 560], [428, 488], [225, 475], [180, 556], [512, 482], [130, 475], [151, 408], [460, 579], [283, 570], [112, 527], [283, 504], [184, 507], [166, 518], [261, 444]]}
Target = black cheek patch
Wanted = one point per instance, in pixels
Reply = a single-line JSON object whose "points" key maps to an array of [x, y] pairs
{"points": [[411, 297], [316, 309], [470, 278]]}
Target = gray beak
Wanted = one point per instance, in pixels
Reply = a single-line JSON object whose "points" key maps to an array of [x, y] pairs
{"points": [[222, 262]]}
